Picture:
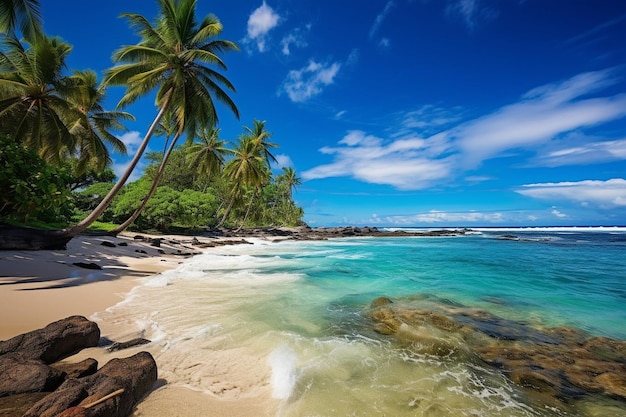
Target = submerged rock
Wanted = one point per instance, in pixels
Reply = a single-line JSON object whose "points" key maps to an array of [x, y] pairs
{"points": [[555, 366]]}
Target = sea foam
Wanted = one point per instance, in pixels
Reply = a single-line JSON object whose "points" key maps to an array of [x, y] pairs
{"points": [[283, 363]]}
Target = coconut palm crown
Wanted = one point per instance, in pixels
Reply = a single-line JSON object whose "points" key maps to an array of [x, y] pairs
{"points": [[176, 55]]}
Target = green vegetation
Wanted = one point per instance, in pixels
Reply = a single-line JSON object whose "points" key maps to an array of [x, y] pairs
{"points": [[56, 136]]}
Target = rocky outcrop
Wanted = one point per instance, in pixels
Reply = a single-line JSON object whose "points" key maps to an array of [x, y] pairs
{"points": [[54, 342], [130, 378], [33, 384], [554, 366], [322, 233]]}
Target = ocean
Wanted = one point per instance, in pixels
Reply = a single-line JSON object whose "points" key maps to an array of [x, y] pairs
{"points": [[295, 318]]}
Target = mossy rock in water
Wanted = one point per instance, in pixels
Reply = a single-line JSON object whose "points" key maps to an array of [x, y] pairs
{"points": [[385, 321], [380, 302]]}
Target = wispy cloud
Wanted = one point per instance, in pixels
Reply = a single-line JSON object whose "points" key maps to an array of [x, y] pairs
{"points": [[294, 38], [302, 84], [598, 31], [261, 21], [434, 146], [604, 194], [380, 18], [580, 149], [542, 115], [471, 11], [439, 217]]}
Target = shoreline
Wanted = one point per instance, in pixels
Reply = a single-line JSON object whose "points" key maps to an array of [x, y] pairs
{"points": [[125, 261], [40, 287]]}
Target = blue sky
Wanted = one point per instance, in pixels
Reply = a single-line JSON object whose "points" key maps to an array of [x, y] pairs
{"points": [[425, 113]]}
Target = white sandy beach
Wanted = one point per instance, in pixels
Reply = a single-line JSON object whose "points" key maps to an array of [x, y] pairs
{"points": [[39, 287]]}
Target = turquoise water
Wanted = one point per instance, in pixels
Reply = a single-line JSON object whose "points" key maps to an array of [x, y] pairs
{"points": [[289, 317]]}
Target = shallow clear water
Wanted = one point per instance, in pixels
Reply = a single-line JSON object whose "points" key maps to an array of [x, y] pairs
{"points": [[289, 317]]}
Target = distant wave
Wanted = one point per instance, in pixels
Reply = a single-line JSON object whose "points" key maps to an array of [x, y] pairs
{"points": [[551, 229]]}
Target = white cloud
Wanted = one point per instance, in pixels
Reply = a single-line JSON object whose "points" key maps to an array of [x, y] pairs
{"points": [[558, 214], [403, 164], [580, 149], [261, 21], [132, 140], [541, 115], [295, 38], [282, 161], [384, 43], [120, 167], [439, 217], [340, 114], [380, 18], [604, 194], [430, 146], [429, 119], [309, 81]]}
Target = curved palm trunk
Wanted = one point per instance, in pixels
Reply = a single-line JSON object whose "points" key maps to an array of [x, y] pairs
{"points": [[245, 217], [106, 202], [153, 188], [231, 203]]}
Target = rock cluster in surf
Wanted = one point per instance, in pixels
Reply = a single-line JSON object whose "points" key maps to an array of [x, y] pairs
{"points": [[35, 384], [554, 366]]}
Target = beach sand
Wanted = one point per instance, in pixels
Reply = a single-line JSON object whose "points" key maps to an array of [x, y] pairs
{"points": [[39, 287]]}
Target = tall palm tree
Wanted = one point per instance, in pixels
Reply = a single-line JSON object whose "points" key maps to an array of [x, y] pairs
{"points": [[246, 169], [23, 15], [92, 127], [172, 57], [260, 137], [33, 104], [290, 180]]}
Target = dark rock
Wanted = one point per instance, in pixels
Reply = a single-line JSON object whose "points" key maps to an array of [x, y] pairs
{"points": [[138, 237], [21, 375], [135, 375], [56, 341], [16, 405], [156, 242], [90, 265], [108, 244], [141, 251], [77, 370], [122, 244], [71, 393], [125, 345]]}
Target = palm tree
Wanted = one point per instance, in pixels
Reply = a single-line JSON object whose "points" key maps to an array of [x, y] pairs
{"points": [[289, 180], [22, 14], [92, 128], [260, 137], [244, 170], [33, 107], [208, 155], [172, 56]]}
